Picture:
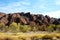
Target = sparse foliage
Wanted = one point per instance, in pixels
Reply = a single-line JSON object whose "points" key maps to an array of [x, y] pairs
{"points": [[25, 28], [2, 27], [17, 27], [13, 27]]}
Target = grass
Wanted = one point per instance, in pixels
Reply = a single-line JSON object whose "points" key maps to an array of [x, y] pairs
{"points": [[26, 36]]}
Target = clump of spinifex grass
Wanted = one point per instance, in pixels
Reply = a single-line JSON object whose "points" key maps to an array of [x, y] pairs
{"points": [[24, 36]]}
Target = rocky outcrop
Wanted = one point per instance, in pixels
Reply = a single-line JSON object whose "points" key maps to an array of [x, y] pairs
{"points": [[27, 19]]}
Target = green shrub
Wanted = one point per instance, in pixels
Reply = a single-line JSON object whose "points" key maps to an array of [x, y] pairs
{"points": [[2, 27], [58, 28], [25, 28], [51, 28], [13, 27]]}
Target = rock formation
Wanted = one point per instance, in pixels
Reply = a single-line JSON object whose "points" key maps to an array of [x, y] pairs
{"points": [[27, 19]]}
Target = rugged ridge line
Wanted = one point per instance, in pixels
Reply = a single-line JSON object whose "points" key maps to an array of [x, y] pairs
{"points": [[27, 19]]}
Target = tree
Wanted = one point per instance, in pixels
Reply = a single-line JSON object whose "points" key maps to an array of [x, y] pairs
{"points": [[25, 28], [6, 28], [58, 28], [40, 28], [34, 29], [51, 27], [19, 25], [13, 27], [2, 27]]}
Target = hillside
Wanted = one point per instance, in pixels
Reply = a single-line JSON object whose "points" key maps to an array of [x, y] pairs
{"points": [[27, 19], [27, 22]]}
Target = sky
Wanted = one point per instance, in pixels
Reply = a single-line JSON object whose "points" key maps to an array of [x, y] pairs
{"points": [[45, 7]]}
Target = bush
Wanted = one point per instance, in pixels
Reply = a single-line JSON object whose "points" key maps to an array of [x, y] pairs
{"points": [[25, 28], [51, 28], [13, 27], [2, 27], [58, 28]]}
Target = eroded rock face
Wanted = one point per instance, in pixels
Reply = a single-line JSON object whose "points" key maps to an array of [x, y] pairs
{"points": [[27, 19]]}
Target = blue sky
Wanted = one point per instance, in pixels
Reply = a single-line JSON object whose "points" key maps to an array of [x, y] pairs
{"points": [[45, 7]]}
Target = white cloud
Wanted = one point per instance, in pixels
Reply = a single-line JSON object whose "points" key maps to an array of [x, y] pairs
{"points": [[15, 7], [25, 3], [57, 2], [55, 14]]}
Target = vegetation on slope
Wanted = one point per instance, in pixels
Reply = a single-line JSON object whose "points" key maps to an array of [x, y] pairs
{"points": [[17, 27]]}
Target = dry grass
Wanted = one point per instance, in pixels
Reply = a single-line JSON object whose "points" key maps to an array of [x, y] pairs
{"points": [[26, 36]]}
